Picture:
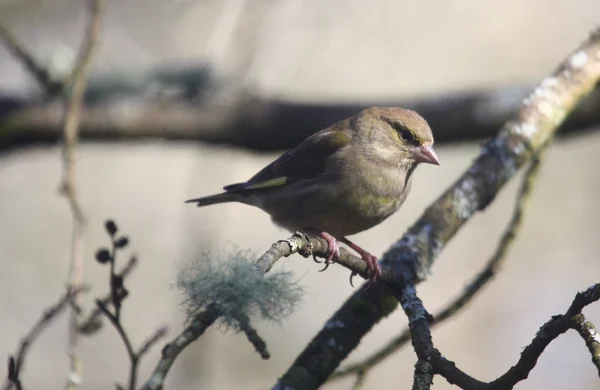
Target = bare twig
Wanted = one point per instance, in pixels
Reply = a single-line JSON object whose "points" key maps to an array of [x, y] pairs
{"points": [[254, 338], [17, 361], [117, 294], [151, 341], [124, 337], [531, 353], [93, 322], [73, 103], [360, 380], [472, 288], [40, 73], [411, 258]]}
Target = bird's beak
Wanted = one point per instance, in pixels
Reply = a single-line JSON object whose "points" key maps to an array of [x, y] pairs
{"points": [[425, 154]]}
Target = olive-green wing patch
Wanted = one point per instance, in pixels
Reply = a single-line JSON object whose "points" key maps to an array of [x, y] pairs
{"points": [[305, 162]]}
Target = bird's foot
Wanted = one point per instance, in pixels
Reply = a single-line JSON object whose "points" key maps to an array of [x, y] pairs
{"points": [[372, 263], [333, 250]]}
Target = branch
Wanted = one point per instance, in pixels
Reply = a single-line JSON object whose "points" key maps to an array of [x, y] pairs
{"points": [[411, 258], [589, 334], [17, 361], [195, 329], [253, 121], [73, 103], [93, 322], [117, 294], [473, 287], [298, 243], [39, 73], [520, 371]]}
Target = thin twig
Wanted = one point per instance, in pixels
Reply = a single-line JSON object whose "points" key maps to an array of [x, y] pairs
{"points": [[473, 287], [49, 315], [73, 103], [531, 353], [151, 341], [40, 73], [93, 322], [195, 329], [254, 338], [360, 380], [133, 358]]}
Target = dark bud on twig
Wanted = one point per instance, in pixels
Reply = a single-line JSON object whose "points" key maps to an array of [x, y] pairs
{"points": [[122, 242], [12, 369], [111, 227], [117, 282], [103, 256]]}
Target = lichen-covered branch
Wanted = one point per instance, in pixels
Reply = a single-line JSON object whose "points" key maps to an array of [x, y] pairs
{"points": [[473, 287], [415, 253], [590, 336], [297, 243]]}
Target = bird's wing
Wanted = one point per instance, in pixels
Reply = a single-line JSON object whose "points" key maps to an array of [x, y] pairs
{"points": [[306, 161]]}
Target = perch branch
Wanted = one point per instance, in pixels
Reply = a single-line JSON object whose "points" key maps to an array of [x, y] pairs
{"points": [[411, 258], [298, 243]]}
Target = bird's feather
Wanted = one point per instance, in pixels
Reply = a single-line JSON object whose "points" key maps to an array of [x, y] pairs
{"points": [[307, 161]]}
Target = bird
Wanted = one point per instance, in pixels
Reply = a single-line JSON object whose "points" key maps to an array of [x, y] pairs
{"points": [[341, 180]]}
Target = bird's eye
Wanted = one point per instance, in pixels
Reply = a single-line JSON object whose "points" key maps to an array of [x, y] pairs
{"points": [[406, 135]]}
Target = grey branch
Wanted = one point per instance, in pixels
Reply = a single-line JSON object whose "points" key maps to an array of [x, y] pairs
{"points": [[411, 258]]}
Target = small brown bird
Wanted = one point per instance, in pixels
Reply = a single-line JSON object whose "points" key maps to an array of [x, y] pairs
{"points": [[341, 180]]}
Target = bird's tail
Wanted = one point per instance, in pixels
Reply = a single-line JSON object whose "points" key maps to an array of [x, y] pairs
{"points": [[214, 199]]}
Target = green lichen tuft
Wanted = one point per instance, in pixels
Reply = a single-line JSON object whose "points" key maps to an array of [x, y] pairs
{"points": [[241, 291]]}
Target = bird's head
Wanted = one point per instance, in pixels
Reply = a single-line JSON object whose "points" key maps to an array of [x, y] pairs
{"points": [[396, 135]]}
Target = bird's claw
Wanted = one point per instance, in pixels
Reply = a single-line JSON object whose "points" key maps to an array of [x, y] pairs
{"points": [[372, 266], [333, 254]]}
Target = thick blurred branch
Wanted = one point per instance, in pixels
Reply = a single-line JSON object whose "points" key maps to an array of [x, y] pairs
{"points": [[215, 112], [411, 258]]}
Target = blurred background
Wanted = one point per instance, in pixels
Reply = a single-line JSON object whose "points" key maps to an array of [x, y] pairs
{"points": [[334, 52]]}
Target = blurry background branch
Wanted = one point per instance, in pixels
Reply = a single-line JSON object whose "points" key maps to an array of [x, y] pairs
{"points": [[206, 108]]}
